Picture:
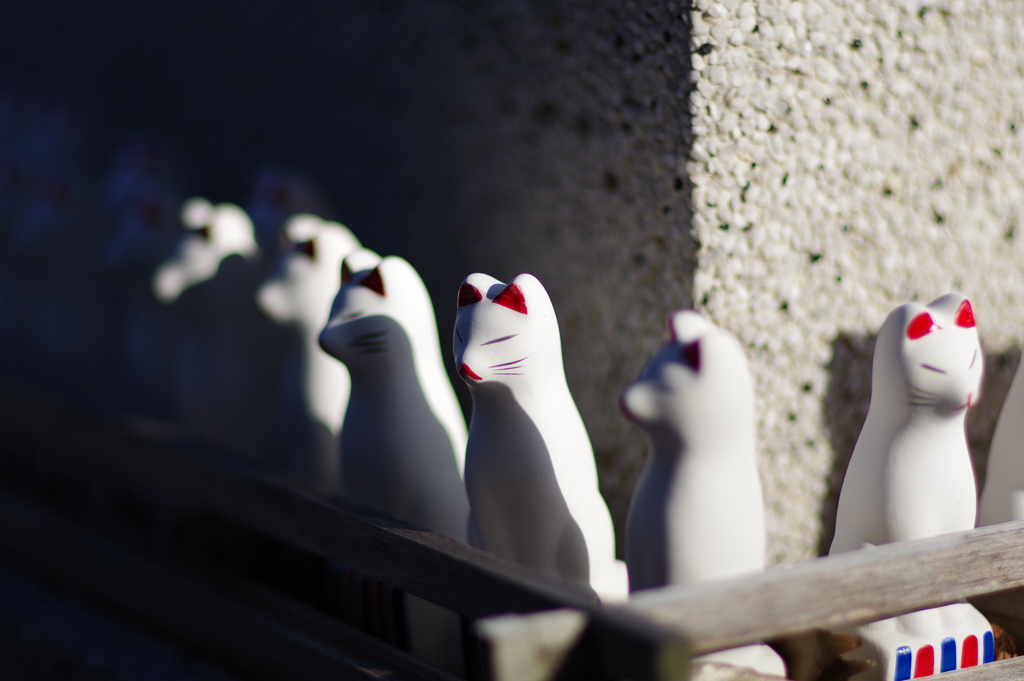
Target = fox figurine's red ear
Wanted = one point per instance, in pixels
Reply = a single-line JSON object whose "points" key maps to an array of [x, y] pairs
{"points": [[512, 298], [469, 294], [373, 281], [689, 355], [964, 315]]}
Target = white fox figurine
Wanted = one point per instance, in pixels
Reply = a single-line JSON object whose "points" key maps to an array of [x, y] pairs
{"points": [[1002, 498], [231, 357], [697, 513], [530, 470], [403, 439], [299, 294], [910, 477]]}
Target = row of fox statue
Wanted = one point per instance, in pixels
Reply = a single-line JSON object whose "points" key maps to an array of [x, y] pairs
{"points": [[528, 489], [272, 333], [697, 514]]}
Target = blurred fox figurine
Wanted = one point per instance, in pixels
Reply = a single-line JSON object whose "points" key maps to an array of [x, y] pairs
{"points": [[231, 356], [697, 513], [299, 294]]}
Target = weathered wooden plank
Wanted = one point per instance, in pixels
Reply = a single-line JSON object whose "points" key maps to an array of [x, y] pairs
{"points": [[1002, 670], [568, 645], [530, 647], [832, 592], [265, 635], [619, 644], [844, 590], [471, 582]]}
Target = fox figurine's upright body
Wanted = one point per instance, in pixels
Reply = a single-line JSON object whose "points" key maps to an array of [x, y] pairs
{"points": [[910, 477], [299, 294], [403, 437], [530, 470], [1002, 499], [697, 513], [231, 356]]}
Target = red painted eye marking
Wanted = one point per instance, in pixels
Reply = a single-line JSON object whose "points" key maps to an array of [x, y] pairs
{"points": [[346, 272], [309, 248], [512, 298], [690, 355], [467, 372], [468, 294], [965, 315], [373, 281], [921, 326]]}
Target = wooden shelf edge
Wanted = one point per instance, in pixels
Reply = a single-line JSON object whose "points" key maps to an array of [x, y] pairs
{"points": [[258, 632]]}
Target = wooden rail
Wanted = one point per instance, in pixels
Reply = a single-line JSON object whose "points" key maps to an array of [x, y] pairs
{"points": [[267, 636], [471, 582], [537, 627], [844, 590]]}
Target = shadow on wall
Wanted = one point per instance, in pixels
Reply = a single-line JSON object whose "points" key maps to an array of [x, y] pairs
{"points": [[846, 406], [541, 137]]}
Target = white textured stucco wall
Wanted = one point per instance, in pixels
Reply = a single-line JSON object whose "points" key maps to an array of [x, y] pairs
{"points": [[851, 156]]}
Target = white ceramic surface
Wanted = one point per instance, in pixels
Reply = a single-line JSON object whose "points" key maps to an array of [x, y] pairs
{"points": [[217, 232], [530, 469]]}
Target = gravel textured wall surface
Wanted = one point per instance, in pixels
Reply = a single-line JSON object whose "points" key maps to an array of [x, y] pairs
{"points": [[849, 157]]}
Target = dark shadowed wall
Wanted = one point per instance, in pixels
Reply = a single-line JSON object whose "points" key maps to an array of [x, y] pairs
{"points": [[546, 137]]}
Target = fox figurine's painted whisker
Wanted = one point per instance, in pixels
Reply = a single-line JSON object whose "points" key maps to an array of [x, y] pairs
{"points": [[505, 364], [500, 340]]}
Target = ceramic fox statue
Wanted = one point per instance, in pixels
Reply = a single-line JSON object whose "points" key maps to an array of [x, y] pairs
{"points": [[141, 195], [910, 477], [697, 513], [299, 294], [216, 232], [530, 470], [231, 356], [1002, 498], [403, 438], [276, 196]]}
